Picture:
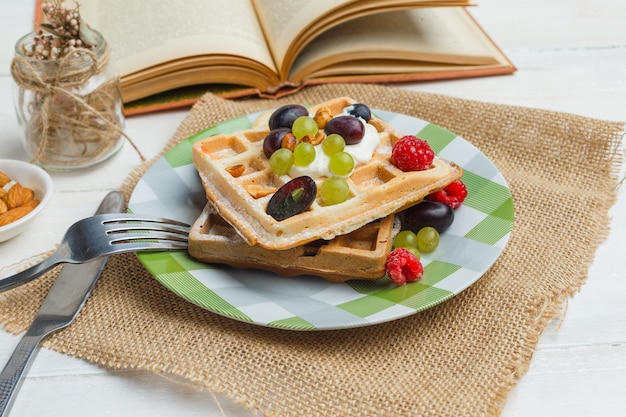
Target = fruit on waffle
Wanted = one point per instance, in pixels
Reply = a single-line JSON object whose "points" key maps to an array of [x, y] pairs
{"points": [[261, 183], [361, 254]]}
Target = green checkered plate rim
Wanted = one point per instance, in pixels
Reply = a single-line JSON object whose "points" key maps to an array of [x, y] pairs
{"points": [[481, 229]]}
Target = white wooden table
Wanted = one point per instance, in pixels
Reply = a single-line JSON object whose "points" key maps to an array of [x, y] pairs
{"points": [[571, 56]]}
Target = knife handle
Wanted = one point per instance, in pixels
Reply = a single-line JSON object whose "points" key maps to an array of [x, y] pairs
{"points": [[11, 375], [48, 321]]}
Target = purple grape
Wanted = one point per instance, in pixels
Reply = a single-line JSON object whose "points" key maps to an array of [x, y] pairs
{"points": [[292, 198], [349, 128], [360, 110], [284, 116], [273, 140], [428, 213]]}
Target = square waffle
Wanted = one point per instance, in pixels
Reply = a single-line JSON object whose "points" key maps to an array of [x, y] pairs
{"points": [[361, 254], [377, 188]]}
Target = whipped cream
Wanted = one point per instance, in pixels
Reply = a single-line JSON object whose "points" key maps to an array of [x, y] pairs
{"points": [[361, 152]]}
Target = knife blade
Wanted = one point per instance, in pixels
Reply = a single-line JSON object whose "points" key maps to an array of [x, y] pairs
{"points": [[58, 310]]}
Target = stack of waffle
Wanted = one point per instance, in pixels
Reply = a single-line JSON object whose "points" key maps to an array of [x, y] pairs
{"points": [[349, 240]]}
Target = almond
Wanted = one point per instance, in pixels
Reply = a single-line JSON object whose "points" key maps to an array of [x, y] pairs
{"points": [[14, 197], [258, 191], [27, 195], [322, 116], [236, 170], [32, 203], [14, 214], [289, 141], [3, 207], [377, 124], [315, 140], [4, 179]]}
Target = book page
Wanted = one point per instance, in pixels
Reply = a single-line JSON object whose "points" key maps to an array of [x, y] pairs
{"points": [[290, 24], [143, 34], [411, 38], [283, 19]]}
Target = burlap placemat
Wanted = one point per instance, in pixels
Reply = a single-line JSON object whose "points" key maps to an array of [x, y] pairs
{"points": [[460, 358]]}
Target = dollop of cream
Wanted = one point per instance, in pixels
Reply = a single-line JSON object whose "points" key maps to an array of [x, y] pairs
{"points": [[362, 153]]}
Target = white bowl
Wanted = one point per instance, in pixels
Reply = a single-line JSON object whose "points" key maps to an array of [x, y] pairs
{"points": [[33, 177]]}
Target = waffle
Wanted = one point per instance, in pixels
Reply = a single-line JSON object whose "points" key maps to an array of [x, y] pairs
{"points": [[361, 254], [377, 188]]}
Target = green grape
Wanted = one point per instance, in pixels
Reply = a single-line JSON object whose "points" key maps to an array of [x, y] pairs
{"points": [[341, 164], [281, 161], [333, 143], [334, 190], [405, 239], [427, 239], [414, 251], [303, 154], [304, 125]]}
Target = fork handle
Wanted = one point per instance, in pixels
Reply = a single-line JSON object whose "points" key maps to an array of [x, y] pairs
{"points": [[18, 364], [29, 274]]}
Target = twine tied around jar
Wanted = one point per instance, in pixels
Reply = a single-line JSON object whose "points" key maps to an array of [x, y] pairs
{"points": [[60, 111]]}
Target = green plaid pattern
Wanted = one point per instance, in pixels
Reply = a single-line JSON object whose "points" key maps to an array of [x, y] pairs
{"points": [[482, 226]]}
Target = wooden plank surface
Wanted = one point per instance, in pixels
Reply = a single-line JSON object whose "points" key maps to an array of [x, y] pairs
{"points": [[571, 57]]}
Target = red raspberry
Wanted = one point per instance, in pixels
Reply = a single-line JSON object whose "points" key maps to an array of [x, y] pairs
{"points": [[412, 154], [453, 194], [402, 266]]}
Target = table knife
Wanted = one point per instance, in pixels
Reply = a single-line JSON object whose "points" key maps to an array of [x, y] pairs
{"points": [[60, 307]]}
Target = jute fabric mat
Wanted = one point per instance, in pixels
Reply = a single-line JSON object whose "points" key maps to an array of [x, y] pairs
{"points": [[460, 358]]}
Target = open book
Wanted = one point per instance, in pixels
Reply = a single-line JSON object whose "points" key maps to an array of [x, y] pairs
{"points": [[271, 47]]}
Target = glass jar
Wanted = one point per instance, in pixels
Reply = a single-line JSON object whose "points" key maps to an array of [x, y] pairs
{"points": [[69, 110]]}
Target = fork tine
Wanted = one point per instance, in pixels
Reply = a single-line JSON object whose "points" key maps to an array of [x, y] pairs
{"points": [[139, 232], [152, 235], [134, 246], [129, 217], [121, 229], [123, 223], [141, 246]]}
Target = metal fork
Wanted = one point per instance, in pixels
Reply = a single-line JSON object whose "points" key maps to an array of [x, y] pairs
{"points": [[107, 234]]}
